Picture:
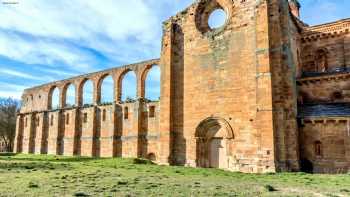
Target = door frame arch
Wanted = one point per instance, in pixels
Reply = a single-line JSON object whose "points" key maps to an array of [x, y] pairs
{"points": [[203, 140]]}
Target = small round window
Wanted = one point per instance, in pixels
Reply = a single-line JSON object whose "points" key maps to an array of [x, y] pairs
{"points": [[217, 19]]}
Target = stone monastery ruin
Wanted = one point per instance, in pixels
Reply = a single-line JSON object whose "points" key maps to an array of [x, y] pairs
{"points": [[265, 92]]}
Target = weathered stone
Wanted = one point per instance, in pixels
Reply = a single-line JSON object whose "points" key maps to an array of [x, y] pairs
{"points": [[229, 96]]}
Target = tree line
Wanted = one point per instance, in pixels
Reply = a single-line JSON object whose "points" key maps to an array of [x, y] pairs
{"points": [[8, 110]]}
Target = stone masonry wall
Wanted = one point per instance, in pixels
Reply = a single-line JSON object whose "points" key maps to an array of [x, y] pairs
{"points": [[240, 83], [334, 138]]}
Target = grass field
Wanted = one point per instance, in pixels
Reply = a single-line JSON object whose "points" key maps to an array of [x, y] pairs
{"points": [[35, 175]]}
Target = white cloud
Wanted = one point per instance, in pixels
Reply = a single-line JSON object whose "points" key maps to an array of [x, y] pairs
{"points": [[11, 94], [14, 73], [107, 26], [11, 90]]}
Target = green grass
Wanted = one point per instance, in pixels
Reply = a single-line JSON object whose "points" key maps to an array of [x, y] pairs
{"points": [[36, 175]]}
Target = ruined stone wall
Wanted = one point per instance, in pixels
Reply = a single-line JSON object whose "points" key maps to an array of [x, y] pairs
{"points": [[91, 130], [333, 136], [227, 74], [240, 83], [55, 137]]}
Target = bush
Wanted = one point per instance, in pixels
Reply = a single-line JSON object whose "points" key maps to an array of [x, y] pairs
{"points": [[33, 185], [142, 161], [270, 188]]}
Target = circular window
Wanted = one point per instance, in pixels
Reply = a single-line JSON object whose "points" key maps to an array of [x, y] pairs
{"points": [[217, 19]]}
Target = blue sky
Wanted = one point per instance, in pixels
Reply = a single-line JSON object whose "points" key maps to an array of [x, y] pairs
{"points": [[43, 41]]}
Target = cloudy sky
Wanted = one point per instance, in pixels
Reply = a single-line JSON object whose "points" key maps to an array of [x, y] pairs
{"points": [[43, 41]]}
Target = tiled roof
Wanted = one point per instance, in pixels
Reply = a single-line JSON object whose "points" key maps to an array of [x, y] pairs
{"points": [[336, 70], [324, 110]]}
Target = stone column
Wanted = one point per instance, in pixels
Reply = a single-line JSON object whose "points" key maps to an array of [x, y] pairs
{"points": [[165, 104], [78, 93], [17, 145], [62, 99], [140, 84], [96, 92]]}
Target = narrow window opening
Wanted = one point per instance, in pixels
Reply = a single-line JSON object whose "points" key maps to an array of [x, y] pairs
{"points": [[85, 117], [67, 119], [318, 148], [37, 122], [152, 111], [126, 113], [104, 115], [321, 61], [25, 122], [51, 120]]}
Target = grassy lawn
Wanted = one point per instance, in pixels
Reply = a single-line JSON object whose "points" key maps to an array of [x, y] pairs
{"points": [[35, 175]]}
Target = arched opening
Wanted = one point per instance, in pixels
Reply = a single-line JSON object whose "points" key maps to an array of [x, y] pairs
{"points": [[88, 91], [54, 98], [107, 89], [213, 136], [152, 83], [321, 60], [128, 87], [70, 96], [217, 19]]}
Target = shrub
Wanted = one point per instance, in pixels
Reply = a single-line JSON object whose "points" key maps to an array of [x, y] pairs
{"points": [[270, 188], [33, 185], [142, 161]]}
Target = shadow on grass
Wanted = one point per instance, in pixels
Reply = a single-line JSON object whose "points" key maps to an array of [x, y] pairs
{"points": [[33, 166], [7, 154], [47, 158]]}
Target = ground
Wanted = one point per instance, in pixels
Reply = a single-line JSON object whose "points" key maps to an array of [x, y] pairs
{"points": [[36, 175]]}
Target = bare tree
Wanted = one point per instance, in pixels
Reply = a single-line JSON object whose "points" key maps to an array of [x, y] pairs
{"points": [[8, 109]]}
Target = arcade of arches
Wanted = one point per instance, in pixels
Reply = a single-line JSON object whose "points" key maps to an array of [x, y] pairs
{"points": [[244, 86]]}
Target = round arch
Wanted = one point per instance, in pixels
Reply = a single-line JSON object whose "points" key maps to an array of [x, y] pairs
{"points": [[81, 90], [143, 79], [204, 125], [321, 60], [213, 138], [50, 97], [65, 94], [100, 84], [120, 79]]}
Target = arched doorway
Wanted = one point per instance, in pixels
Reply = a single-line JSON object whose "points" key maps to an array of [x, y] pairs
{"points": [[214, 136]]}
